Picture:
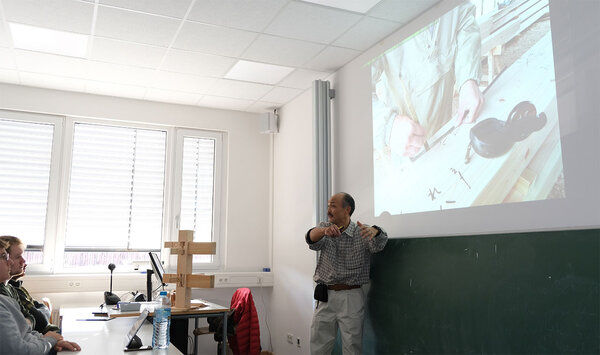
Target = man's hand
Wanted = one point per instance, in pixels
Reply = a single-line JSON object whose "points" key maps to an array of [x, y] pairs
{"points": [[367, 232], [54, 335], [407, 136], [333, 231], [64, 345], [470, 100]]}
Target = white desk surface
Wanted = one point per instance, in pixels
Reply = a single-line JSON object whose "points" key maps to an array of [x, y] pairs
{"points": [[105, 337]]}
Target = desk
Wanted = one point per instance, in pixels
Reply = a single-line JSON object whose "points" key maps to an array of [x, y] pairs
{"points": [[209, 309], [104, 337]]}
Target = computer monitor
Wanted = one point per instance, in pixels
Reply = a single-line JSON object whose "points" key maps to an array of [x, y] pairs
{"points": [[157, 267]]}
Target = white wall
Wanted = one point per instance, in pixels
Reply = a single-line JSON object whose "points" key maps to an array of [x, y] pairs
{"points": [[247, 170], [293, 262]]}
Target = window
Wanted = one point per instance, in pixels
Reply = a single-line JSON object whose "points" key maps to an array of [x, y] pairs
{"points": [[26, 148], [200, 186], [116, 194], [106, 193]]}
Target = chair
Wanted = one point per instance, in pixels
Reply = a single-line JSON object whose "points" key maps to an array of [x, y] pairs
{"points": [[243, 331]]}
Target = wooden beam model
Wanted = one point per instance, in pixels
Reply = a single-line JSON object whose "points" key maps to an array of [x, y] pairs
{"points": [[185, 249]]}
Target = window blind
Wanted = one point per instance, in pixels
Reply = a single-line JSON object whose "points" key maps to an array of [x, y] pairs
{"points": [[25, 158], [197, 190], [116, 188]]}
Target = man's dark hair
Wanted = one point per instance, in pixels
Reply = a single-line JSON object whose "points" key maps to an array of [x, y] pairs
{"points": [[347, 200]]}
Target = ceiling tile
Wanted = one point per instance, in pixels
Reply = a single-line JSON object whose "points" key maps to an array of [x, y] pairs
{"points": [[37, 62], [129, 53], [258, 72], [9, 76], [263, 106], [213, 39], [7, 59], [110, 89], [400, 11], [5, 40], [332, 58], [366, 33], [281, 95], [118, 73], [243, 14], [313, 23], [197, 63], [284, 51], [52, 82], [302, 78], [361, 6], [224, 103], [65, 15], [239, 89], [176, 97], [172, 8], [135, 27], [181, 82]]}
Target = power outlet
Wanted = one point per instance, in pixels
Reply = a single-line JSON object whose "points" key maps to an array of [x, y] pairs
{"points": [[298, 342], [290, 338]]}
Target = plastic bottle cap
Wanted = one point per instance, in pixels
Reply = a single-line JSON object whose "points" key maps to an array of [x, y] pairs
{"points": [[163, 293]]}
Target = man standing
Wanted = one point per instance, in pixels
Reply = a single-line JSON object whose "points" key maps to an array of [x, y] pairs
{"points": [[342, 269]]}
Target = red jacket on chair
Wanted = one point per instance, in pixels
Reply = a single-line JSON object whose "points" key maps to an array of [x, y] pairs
{"points": [[246, 340]]}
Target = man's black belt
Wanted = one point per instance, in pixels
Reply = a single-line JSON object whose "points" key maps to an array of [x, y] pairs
{"points": [[342, 287]]}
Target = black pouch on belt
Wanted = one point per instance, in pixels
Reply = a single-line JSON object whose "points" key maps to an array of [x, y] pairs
{"points": [[321, 292]]}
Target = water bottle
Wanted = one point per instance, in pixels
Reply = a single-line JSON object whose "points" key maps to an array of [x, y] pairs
{"points": [[162, 322]]}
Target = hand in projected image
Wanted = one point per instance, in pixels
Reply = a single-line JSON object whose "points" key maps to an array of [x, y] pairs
{"points": [[366, 232], [407, 136], [470, 101]]}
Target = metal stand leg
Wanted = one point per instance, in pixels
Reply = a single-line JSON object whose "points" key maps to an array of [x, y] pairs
{"points": [[195, 342], [224, 350]]}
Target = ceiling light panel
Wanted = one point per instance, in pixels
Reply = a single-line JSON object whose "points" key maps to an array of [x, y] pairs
{"points": [[258, 72], [48, 41], [312, 23], [247, 15], [361, 6]]}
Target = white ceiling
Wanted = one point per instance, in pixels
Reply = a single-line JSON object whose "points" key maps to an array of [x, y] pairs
{"points": [[179, 51]]}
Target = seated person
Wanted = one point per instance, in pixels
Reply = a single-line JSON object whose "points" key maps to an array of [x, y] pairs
{"points": [[17, 335], [37, 313]]}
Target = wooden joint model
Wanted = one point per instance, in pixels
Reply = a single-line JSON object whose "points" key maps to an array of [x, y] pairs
{"points": [[185, 249]]}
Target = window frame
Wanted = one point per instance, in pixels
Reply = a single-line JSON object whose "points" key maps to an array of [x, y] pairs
{"points": [[59, 184], [218, 193]]}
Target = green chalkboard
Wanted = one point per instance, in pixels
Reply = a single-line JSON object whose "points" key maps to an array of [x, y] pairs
{"points": [[522, 293]]}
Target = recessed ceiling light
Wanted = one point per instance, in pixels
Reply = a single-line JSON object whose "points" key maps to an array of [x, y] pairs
{"points": [[258, 72], [362, 6], [48, 41]]}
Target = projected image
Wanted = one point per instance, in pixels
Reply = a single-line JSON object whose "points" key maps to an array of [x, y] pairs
{"points": [[464, 111]]}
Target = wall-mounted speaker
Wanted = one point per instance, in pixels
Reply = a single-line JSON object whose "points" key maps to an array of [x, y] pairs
{"points": [[267, 122]]}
